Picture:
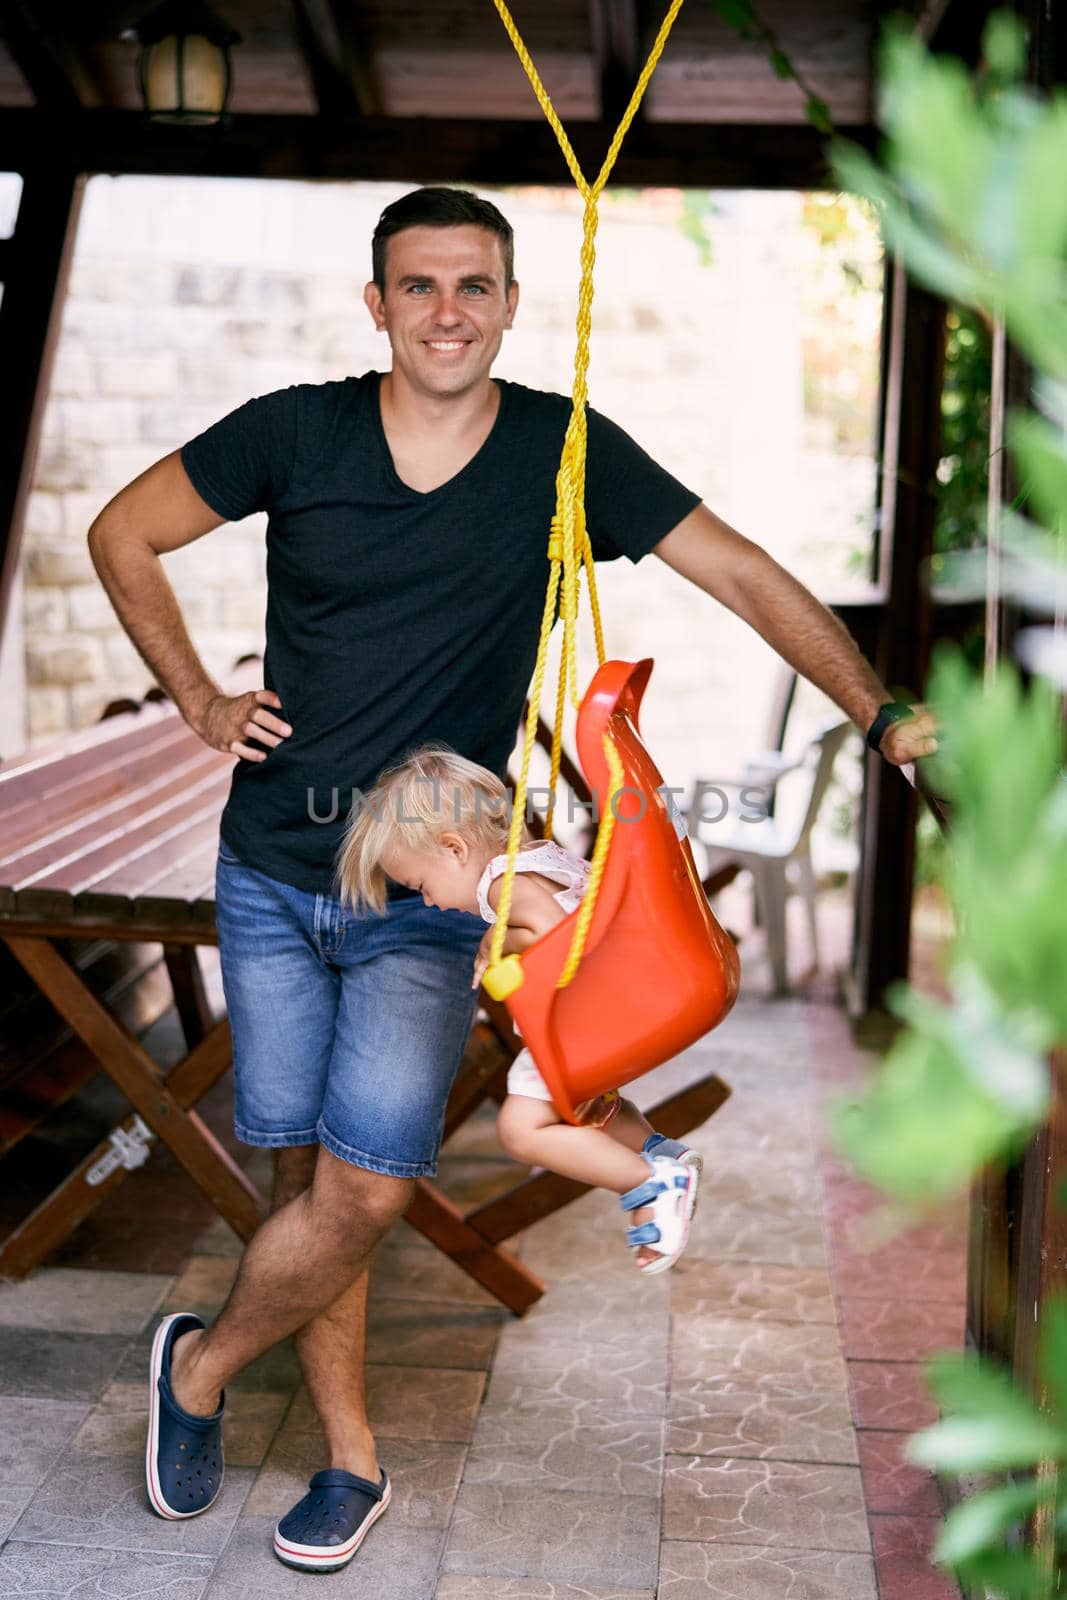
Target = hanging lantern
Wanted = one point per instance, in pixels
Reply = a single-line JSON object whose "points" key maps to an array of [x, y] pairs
{"points": [[184, 65]]}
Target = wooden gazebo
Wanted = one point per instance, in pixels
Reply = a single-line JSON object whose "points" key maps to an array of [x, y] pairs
{"points": [[429, 90]]}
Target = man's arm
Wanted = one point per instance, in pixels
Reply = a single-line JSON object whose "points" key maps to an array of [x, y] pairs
{"points": [[157, 512], [799, 627]]}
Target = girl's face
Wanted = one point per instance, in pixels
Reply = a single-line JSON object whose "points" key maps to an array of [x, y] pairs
{"points": [[446, 875]]}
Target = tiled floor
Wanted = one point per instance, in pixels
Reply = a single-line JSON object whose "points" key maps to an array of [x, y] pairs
{"points": [[729, 1431]]}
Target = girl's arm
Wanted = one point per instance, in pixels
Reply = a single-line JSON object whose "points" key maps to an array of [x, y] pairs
{"points": [[534, 909]]}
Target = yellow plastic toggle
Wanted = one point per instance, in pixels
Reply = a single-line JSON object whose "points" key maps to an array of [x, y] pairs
{"points": [[503, 977]]}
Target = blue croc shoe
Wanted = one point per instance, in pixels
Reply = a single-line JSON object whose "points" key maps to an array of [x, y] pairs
{"points": [[183, 1459], [324, 1530]]}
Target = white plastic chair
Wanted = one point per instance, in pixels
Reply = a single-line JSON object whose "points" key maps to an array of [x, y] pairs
{"points": [[776, 852]]}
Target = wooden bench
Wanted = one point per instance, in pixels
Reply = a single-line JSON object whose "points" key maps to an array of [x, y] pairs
{"points": [[108, 842]]}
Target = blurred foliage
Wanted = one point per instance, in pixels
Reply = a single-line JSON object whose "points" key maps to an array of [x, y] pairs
{"points": [[963, 473], [971, 192]]}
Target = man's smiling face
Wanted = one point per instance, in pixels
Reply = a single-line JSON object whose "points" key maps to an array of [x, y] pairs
{"points": [[445, 306]]}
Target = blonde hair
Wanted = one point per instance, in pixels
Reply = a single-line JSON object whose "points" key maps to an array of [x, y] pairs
{"points": [[431, 792]]}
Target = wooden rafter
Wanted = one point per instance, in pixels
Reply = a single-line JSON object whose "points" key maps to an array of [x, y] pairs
{"points": [[719, 155], [337, 57], [47, 57], [616, 32]]}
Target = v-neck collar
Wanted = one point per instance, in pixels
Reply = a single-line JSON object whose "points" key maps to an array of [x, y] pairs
{"points": [[387, 455]]}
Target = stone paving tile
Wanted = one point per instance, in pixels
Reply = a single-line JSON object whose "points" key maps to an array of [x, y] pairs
{"points": [[472, 1182], [753, 1572], [100, 1502], [609, 1304], [425, 1474], [939, 1275], [727, 1354], [517, 1531], [764, 1503], [394, 1563], [753, 1122], [815, 1427], [762, 1292], [14, 1498], [423, 1402], [32, 1433], [899, 1329], [277, 1371], [432, 1334], [902, 1548], [766, 1233], [588, 1232], [622, 1380], [203, 1286], [890, 1394], [63, 1573], [591, 1454], [456, 1587], [58, 1366], [70, 1300], [118, 1424], [407, 1268], [893, 1485]]}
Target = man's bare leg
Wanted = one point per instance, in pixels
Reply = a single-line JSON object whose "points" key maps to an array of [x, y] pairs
{"points": [[301, 1261], [331, 1347]]}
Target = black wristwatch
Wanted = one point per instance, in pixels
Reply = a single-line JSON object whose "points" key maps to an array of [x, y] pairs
{"points": [[895, 711]]}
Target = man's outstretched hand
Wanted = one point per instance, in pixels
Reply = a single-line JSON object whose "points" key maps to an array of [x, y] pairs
{"points": [[228, 722], [914, 736]]}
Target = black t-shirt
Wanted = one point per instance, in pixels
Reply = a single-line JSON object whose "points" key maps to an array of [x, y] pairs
{"points": [[395, 617]]}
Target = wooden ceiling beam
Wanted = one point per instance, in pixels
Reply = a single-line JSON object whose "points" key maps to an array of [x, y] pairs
{"points": [[615, 26], [420, 149], [47, 58], [337, 57]]}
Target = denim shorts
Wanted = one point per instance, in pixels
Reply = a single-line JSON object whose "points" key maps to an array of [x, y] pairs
{"points": [[347, 1027]]}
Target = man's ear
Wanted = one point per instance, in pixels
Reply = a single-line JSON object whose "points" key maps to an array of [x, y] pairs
{"points": [[372, 299], [512, 305]]}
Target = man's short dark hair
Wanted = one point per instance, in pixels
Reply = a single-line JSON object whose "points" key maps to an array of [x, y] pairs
{"points": [[440, 208]]}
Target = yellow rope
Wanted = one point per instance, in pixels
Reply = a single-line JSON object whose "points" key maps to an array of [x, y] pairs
{"points": [[569, 548]]}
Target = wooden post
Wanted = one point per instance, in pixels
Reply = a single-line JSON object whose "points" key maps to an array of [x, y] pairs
{"points": [[36, 269], [910, 449]]}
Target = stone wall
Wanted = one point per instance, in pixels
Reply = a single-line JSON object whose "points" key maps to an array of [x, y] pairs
{"points": [[189, 296]]}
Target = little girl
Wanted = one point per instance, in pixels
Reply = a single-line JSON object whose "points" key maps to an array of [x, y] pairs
{"points": [[438, 824]]}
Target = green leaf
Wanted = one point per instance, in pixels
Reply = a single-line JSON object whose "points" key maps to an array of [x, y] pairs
{"points": [[990, 1424], [783, 67], [984, 1444], [1052, 1351], [1039, 452], [736, 13], [1004, 46], [967, 1386], [818, 114], [1007, 1572], [982, 1519]]}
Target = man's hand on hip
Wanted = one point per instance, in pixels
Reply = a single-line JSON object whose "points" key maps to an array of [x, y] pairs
{"points": [[227, 722]]}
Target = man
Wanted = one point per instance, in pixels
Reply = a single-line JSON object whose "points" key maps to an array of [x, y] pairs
{"points": [[406, 575]]}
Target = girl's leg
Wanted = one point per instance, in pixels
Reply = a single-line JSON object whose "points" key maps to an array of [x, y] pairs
{"points": [[531, 1131], [629, 1127]]}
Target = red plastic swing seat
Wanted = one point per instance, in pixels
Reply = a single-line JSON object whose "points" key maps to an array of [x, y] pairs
{"points": [[657, 971]]}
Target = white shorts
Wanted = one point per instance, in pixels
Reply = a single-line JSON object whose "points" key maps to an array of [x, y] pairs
{"points": [[524, 1078]]}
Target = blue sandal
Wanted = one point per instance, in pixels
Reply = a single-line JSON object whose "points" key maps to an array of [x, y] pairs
{"points": [[657, 1144], [324, 1530], [671, 1192], [183, 1458]]}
